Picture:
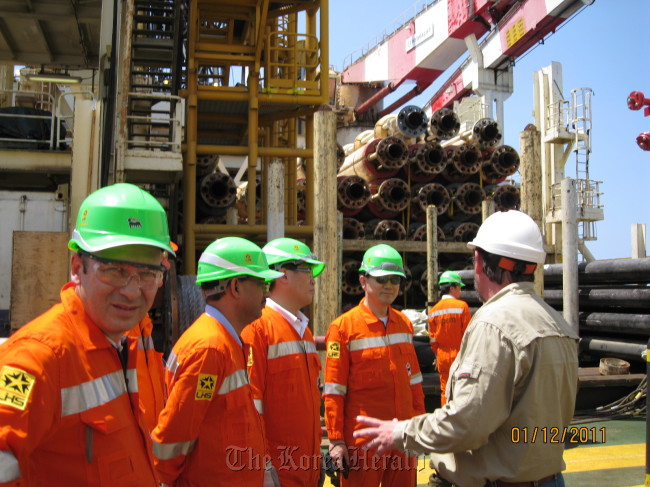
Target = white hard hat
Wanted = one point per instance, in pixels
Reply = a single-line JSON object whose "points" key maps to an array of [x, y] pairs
{"points": [[511, 234]]}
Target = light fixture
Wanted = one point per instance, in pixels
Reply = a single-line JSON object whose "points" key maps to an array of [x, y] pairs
{"points": [[61, 78]]}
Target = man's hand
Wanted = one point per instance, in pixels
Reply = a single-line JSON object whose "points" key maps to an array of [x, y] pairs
{"points": [[340, 456], [378, 433]]}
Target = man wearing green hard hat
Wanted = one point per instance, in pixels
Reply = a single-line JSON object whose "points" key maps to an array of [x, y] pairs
{"points": [[209, 432], [447, 320], [283, 364], [372, 369], [70, 380]]}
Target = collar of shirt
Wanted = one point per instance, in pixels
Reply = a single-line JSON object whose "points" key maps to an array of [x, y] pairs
{"points": [[299, 322], [446, 296], [213, 312]]}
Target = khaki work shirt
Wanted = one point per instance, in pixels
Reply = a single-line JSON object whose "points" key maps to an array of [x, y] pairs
{"points": [[512, 390]]}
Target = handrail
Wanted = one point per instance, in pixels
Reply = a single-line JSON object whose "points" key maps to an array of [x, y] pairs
{"points": [[171, 118], [50, 117]]}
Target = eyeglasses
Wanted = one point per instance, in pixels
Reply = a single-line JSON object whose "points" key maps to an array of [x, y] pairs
{"points": [[296, 268], [393, 279], [260, 283], [119, 274]]}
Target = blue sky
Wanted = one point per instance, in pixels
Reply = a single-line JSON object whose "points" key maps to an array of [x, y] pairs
{"points": [[605, 48]]}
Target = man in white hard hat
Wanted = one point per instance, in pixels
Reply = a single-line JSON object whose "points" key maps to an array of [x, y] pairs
{"points": [[513, 385]]}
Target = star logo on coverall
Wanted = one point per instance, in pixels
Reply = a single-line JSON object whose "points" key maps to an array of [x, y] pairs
{"points": [[17, 381], [207, 383], [15, 387], [205, 386]]}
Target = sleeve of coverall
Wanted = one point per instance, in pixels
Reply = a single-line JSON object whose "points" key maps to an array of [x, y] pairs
{"points": [[337, 366], [416, 386], [256, 345], [29, 403], [433, 330], [182, 418], [484, 384]]}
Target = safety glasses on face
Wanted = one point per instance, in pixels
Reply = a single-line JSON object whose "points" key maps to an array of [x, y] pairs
{"points": [[306, 268], [119, 274], [260, 283], [393, 279]]}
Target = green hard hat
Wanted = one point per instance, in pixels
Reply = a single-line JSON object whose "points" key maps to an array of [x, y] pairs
{"points": [[117, 215], [382, 260], [285, 249], [451, 277], [231, 257]]}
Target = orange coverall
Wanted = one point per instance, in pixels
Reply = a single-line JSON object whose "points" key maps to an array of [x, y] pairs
{"points": [[283, 369], [372, 370], [66, 415], [448, 320], [209, 433], [151, 377]]}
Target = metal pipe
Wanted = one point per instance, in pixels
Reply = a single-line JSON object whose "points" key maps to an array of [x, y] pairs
{"points": [[425, 195], [425, 161], [462, 161], [353, 229], [388, 197], [618, 323], [486, 133], [467, 197], [418, 232], [385, 230], [499, 163], [460, 231], [350, 284], [372, 101], [378, 158], [620, 347], [216, 191], [353, 193], [505, 196], [444, 124], [603, 298]]}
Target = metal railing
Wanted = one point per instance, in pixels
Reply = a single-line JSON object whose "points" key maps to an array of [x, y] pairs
{"points": [[158, 129]]}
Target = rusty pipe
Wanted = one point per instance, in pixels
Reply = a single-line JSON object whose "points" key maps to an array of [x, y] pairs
{"points": [[353, 193], [460, 231], [216, 190], [378, 158], [425, 161], [485, 133], [353, 229], [499, 163], [467, 197], [350, 284], [505, 196], [444, 124], [428, 194], [385, 230], [388, 197], [464, 161], [418, 232]]}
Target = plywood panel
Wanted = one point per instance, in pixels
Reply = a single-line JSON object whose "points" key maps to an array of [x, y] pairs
{"points": [[39, 269]]}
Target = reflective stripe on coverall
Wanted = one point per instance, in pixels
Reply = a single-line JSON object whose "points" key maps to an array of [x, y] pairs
{"points": [[448, 320], [209, 432], [283, 369], [372, 370], [66, 417]]}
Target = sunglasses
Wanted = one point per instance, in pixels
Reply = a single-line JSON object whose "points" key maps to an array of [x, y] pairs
{"points": [[260, 283], [393, 279]]}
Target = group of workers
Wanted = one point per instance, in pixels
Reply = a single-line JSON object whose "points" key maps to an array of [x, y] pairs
{"points": [[86, 400]]}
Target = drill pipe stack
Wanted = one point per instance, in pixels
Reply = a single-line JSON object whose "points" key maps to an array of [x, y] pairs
{"points": [[418, 232], [467, 199], [353, 229], [505, 196], [409, 123], [444, 124], [426, 161], [385, 230], [379, 158], [353, 193], [463, 161], [350, 284], [499, 163], [388, 197], [428, 194], [485, 133], [216, 192], [460, 231]]}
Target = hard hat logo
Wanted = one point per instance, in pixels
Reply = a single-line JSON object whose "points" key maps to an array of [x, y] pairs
{"points": [[134, 223], [248, 258], [84, 216]]}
